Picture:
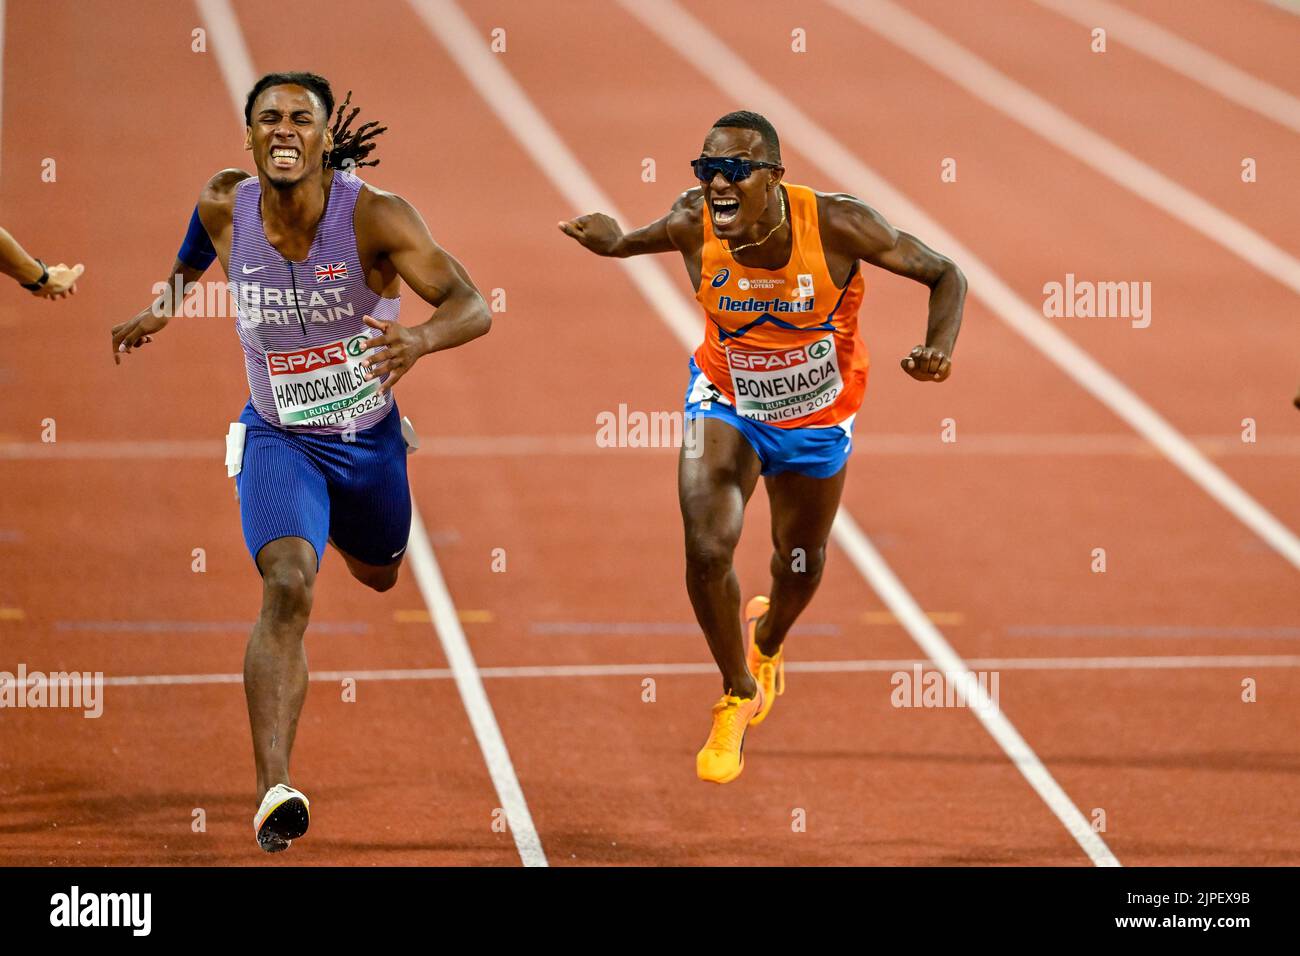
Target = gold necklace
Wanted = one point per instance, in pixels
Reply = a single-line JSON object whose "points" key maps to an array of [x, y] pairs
{"points": [[781, 196]]}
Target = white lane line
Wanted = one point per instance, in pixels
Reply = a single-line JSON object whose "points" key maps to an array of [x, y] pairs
{"points": [[1183, 57], [470, 685], [464, 44], [1181, 632], [984, 81], [226, 41], [865, 442], [891, 590], [468, 446], [1288, 6], [1171, 662], [512, 106], [237, 69], [729, 72]]}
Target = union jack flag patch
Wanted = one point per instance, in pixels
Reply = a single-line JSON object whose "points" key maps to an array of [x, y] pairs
{"points": [[329, 273]]}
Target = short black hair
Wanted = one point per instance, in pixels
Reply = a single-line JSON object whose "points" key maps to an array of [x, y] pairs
{"points": [[746, 119], [351, 147], [309, 81]]}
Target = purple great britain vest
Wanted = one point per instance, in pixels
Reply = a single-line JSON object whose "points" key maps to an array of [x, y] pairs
{"points": [[300, 322]]}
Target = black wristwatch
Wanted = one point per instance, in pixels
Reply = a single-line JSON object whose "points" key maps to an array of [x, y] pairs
{"points": [[45, 277]]}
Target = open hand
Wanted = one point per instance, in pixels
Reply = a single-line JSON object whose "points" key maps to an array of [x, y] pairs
{"points": [[62, 281]]}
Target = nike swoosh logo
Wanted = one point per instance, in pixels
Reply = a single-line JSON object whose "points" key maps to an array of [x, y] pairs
{"points": [[248, 271]]}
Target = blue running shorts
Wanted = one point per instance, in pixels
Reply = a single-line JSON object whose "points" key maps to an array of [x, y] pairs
{"points": [[815, 452], [320, 487]]}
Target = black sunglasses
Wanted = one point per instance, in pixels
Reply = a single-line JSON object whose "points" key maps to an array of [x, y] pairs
{"points": [[733, 170]]}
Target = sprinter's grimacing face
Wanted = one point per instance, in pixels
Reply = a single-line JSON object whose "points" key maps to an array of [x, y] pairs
{"points": [[288, 135]]}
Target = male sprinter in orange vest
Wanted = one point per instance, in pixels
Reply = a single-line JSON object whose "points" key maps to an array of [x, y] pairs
{"points": [[774, 387]]}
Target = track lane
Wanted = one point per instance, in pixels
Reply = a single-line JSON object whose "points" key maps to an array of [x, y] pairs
{"points": [[1259, 36], [1137, 529], [593, 39], [113, 540], [902, 772]]}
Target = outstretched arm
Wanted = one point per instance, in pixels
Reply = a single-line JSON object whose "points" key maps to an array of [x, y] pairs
{"points": [[15, 262], [435, 276], [603, 236], [860, 231], [211, 217]]}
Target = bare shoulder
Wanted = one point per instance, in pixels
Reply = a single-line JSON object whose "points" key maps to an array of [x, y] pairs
{"points": [[685, 222], [849, 223], [221, 187], [688, 204], [217, 201], [381, 201], [380, 208]]}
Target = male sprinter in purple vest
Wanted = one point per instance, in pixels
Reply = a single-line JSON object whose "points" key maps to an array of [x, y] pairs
{"points": [[315, 259]]}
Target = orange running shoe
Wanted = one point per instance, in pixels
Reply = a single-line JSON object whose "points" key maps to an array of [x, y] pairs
{"points": [[768, 671], [723, 756]]}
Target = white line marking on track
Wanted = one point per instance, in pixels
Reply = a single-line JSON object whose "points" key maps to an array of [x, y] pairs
{"points": [[226, 41], [891, 590], [1287, 6], [1183, 57], [865, 442], [237, 70], [495, 84], [1172, 662], [512, 106], [986, 82], [470, 685], [729, 72]]}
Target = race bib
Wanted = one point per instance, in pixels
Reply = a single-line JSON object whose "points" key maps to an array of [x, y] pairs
{"points": [[787, 384], [323, 385]]}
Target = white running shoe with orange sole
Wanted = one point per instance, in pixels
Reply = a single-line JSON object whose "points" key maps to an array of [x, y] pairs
{"points": [[284, 816]]}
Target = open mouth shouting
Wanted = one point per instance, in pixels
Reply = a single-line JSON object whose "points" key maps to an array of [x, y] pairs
{"points": [[284, 157], [724, 210]]}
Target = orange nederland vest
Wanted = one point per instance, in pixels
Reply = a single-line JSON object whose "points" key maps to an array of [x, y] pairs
{"points": [[782, 344]]}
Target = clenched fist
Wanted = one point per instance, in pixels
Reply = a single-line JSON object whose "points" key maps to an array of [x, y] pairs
{"points": [[927, 364], [597, 231]]}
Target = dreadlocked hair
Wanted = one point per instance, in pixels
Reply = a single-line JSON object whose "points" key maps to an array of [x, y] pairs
{"points": [[351, 147]]}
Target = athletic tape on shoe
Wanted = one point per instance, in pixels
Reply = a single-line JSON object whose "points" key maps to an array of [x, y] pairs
{"points": [[235, 448], [409, 436]]}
